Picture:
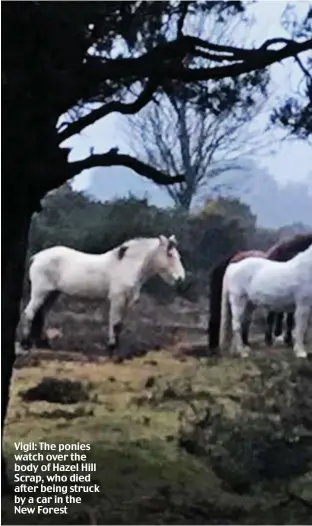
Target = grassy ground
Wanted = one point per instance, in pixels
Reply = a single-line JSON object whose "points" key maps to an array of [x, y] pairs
{"points": [[133, 424]]}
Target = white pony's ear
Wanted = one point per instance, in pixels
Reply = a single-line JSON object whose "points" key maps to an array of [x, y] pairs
{"points": [[172, 243], [173, 240], [163, 240]]}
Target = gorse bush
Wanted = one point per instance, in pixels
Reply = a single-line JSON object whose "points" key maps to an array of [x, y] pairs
{"points": [[269, 438]]}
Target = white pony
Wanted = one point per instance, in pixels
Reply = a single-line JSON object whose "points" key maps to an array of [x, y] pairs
{"points": [[279, 286], [117, 275]]}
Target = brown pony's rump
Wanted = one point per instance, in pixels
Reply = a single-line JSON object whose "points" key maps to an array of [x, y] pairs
{"points": [[289, 247], [282, 251], [248, 254]]}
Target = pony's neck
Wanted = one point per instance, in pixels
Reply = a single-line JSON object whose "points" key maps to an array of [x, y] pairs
{"points": [[147, 252], [305, 256], [302, 261], [149, 267]]}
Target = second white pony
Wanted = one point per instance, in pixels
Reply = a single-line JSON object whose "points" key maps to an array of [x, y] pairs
{"points": [[278, 286]]}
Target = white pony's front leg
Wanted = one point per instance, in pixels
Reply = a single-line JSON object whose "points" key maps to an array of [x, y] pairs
{"points": [[302, 315], [117, 312], [239, 308], [280, 338]]}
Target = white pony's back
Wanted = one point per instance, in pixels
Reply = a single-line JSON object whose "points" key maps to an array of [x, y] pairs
{"points": [[71, 271], [96, 275], [90, 275], [279, 284], [243, 271], [273, 283]]}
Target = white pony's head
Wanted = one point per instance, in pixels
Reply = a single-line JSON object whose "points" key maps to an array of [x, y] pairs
{"points": [[167, 261]]}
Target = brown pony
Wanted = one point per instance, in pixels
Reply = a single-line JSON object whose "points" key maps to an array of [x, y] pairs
{"points": [[282, 251]]}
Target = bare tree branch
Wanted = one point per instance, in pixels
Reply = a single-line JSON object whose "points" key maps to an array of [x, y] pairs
{"points": [[184, 9], [303, 68], [166, 60], [115, 106], [256, 60], [114, 159]]}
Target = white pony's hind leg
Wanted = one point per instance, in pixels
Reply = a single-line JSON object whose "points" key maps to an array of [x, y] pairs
{"points": [[280, 331], [239, 306], [225, 319], [36, 301], [280, 338], [246, 323], [302, 315]]}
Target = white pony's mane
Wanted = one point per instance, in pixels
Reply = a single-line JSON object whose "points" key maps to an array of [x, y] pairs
{"points": [[137, 240], [138, 244]]}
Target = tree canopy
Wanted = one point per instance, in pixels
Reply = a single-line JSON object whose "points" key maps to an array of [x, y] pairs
{"points": [[295, 114], [64, 58]]}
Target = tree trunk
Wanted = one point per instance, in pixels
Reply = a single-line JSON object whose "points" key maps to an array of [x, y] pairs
{"points": [[27, 174], [32, 162], [14, 246], [25, 181]]}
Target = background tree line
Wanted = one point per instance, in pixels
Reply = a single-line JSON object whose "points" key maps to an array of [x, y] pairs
{"points": [[205, 236]]}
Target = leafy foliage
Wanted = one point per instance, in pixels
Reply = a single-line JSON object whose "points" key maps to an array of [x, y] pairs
{"points": [[268, 439], [98, 53], [296, 115], [296, 112]]}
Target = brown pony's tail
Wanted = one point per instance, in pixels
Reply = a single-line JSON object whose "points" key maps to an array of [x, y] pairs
{"points": [[215, 286]]}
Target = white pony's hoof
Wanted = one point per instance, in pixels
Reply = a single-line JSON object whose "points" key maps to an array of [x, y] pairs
{"points": [[279, 339], [244, 352], [300, 353]]}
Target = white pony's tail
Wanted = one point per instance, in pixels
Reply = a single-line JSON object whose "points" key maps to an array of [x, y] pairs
{"points": [[225, 324], [28, 274], [30, 264]]}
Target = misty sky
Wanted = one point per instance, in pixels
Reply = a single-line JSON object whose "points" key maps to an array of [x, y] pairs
{"points": [[291, 159]]}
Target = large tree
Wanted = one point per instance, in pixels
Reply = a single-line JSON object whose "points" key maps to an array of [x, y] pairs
{"points": [[203, 129], [59, 57], [198, 138]]}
